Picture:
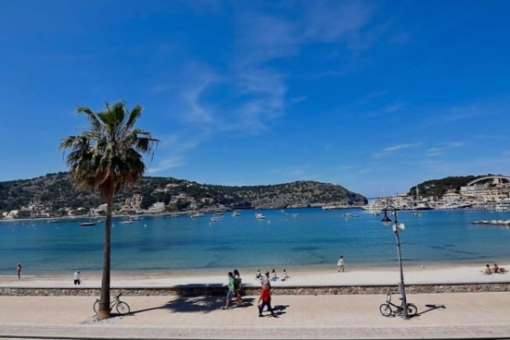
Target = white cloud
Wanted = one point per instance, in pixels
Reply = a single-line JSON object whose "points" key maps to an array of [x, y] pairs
{"points": [[332, 21], [401, 146], [196, 112], [491, 137], [249, 93], [436, 151], [391, 149], [167, 164]]}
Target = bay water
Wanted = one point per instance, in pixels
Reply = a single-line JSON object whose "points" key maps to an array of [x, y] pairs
{"points": [[294, 238]]}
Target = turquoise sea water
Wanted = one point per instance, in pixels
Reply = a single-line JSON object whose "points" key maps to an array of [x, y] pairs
{"points": [[312, 238]]}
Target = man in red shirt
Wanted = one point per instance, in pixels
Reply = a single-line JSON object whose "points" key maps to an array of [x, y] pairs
{"points": [[265, 300]]}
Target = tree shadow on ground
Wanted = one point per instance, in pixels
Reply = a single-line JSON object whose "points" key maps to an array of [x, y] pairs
{"points": [[197, 304]]}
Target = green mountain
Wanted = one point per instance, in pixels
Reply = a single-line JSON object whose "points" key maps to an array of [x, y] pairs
{"points": [[56, 191]]}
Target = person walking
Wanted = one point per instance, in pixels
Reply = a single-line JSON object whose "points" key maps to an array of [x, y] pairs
{"points": [[77, 278], [230, 291], [18, 269], [237, 287], [265, 300], [341, 264]]}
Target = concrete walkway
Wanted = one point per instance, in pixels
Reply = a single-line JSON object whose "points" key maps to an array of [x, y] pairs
{"points": [[484, 315]]}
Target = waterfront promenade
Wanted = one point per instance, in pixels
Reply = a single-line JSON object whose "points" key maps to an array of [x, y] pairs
{"points": [[466, 315]]}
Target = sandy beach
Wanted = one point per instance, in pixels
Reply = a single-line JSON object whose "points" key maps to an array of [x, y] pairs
{"points": [[433, 274]]}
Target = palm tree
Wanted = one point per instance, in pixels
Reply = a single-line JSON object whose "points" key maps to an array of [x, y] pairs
{"points": [[106, 158]]}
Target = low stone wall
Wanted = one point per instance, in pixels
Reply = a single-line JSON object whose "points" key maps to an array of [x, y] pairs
{"points": [[218, 290]]}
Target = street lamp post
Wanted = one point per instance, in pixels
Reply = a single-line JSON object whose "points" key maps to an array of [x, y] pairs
{"points": [[396, 228]]}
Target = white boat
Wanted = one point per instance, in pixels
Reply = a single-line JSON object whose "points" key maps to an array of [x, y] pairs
{"points": [[501, 207], [453, 206], [335, 206], [215, 219], [376, 205], [235, 214], [88, 224], [422, 206], [260, 216], [196, 215]]}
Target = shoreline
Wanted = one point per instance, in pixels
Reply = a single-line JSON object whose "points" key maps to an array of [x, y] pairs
{"points": [[317, 268], [354, 275]]}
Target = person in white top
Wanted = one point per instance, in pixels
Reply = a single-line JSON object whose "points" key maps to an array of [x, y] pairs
{"points": [[341, 264], [77, 277]]}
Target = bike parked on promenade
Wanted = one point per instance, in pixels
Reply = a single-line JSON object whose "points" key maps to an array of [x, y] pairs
{"points": [[122, 307], [390, 309]]}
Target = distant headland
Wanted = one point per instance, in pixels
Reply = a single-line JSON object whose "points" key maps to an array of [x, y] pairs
{"points": [[53, 195]]}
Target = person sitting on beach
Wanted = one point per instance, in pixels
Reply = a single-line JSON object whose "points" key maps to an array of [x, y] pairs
{"points": [[258, 275], [495, 269], [285, 275], [275, 276], [488, 270], [77, 277]]}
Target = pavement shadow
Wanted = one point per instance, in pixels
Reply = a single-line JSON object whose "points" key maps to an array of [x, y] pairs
{"points": [[430, 308], [196, 304], [280, 309]]}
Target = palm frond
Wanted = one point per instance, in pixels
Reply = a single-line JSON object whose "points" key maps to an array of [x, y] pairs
{"points": [[96, 124], [135, 113], [109, 156]]}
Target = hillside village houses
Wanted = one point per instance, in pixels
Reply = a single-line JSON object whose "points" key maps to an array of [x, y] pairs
{"points": [[488, 192], [483, 191]]}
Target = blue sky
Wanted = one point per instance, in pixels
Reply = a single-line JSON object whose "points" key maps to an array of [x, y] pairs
{"points": [[369, 95]]}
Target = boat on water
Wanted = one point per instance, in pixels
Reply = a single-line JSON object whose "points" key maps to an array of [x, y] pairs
{"points": [[422, 206], [215, 219], [501, 207], [196, 215], [127, 220], [377, 205], [335, 206], [453, 206], [260, 216], [88, 224], [235, 214]]}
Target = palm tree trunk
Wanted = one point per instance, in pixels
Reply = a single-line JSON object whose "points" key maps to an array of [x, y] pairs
{"points": [[104, 303]]}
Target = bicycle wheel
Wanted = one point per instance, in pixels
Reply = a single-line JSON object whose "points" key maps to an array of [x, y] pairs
{"points": [[123, 308], [412, 310], [96, 306], [385, 310]]}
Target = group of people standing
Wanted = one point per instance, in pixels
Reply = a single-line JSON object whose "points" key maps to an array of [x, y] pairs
{"points": [[234, 290]]}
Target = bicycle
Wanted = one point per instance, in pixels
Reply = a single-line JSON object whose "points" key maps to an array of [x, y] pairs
{"points": [[390, 309], [122, 307]]}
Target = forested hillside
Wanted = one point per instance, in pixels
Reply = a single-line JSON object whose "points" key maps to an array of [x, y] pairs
{"points": [[56, 191]]}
